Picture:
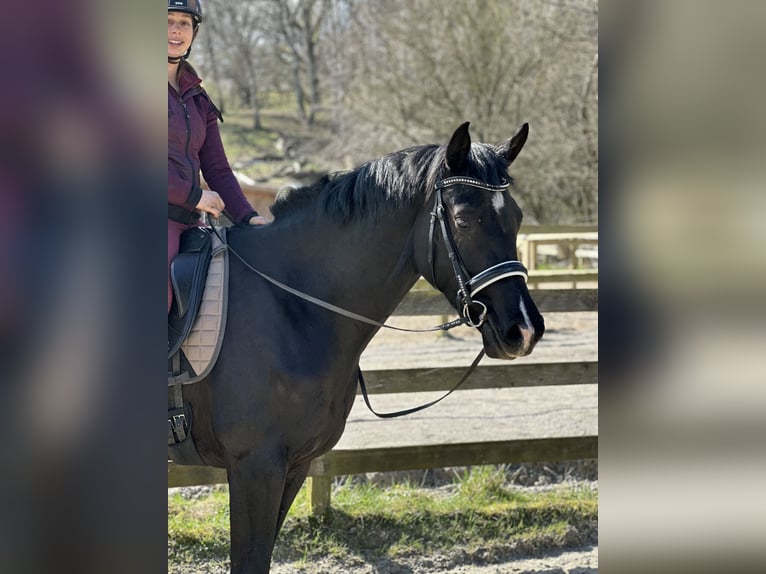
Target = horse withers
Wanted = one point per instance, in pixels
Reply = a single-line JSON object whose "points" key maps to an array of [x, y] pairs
{"points": [[286, 376]]}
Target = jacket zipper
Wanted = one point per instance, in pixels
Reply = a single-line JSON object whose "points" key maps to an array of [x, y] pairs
{"points": [[187, 118]]}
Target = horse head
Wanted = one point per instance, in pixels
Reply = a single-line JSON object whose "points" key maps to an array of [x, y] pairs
{"points": [[465, 243]]}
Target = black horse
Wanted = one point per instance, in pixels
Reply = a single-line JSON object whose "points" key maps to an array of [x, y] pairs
{"points": [[286, 376]]}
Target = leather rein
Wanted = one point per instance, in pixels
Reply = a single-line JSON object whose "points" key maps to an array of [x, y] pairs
{"points": [[467, 286]]}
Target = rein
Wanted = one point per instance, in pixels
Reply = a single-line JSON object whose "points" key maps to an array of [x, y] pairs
{"points": [[462, 380], [467, 287], [335, 308]]}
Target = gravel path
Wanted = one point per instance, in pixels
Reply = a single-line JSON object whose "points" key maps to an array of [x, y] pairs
{"points": [[580, 561]]}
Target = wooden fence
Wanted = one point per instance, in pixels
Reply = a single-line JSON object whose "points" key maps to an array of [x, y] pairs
{"points": [[574, 246], [424, 301]]}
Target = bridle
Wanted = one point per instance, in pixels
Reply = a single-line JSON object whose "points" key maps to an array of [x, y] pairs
{"points": [[468, 286]]}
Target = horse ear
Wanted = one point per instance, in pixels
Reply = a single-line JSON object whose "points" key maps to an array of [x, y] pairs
{"points": [[511, 148], [458, 148]]}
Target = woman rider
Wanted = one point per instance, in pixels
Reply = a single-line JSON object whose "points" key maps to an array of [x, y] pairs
{"points": [[194, 141]]}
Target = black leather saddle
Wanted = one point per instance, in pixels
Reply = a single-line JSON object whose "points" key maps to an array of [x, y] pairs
{"points": [[188, 271]]}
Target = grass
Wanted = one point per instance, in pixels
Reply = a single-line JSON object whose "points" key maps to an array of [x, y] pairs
{"points": [[243, 144], [199, 528], [479, 513]]}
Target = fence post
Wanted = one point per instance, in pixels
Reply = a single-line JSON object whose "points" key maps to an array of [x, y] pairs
{"points": [[320, 484], [319, 493]]}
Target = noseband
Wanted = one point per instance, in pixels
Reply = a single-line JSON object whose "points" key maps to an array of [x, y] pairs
{"points": [[467, 286]]}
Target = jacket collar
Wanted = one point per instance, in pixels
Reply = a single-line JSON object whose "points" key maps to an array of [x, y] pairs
{"points": [[188, 80]]}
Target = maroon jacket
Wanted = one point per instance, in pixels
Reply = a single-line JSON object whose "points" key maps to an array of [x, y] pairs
{"points": [[194, 143]]}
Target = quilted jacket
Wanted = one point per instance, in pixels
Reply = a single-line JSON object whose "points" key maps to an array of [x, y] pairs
{"points": [[194, 144]]}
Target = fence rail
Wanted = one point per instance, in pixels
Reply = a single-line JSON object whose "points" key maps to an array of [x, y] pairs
{"points": [[390, 459], [423, 300], [495, 376]]}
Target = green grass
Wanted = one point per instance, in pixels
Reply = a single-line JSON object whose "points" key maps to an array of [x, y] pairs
{"points": [[198, 528], [243, 144], [479, 512]]}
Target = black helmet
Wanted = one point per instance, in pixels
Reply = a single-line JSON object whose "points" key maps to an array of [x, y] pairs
{"points": [[192, 7]]}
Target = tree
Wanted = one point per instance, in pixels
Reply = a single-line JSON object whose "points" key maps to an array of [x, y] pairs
{"points": [[297, 24], [494, 63], [402, 72], [236, 28]]}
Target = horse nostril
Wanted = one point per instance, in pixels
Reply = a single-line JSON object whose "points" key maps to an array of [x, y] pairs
{"points": [[527, 335], [521, 335], [527, 328], [514, 333]]}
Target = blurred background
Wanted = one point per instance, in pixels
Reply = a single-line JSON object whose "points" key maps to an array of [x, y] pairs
{"points": [[81, 329], [682, 407], [673, 176]]}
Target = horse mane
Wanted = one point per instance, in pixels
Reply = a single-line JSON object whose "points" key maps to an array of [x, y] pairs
{"points": [[388, 183]]}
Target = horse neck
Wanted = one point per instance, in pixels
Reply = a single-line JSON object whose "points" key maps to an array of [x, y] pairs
{"points": [[363, 266]]}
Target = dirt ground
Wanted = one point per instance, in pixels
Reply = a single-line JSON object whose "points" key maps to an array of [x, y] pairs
{"points": [[580, 561]]}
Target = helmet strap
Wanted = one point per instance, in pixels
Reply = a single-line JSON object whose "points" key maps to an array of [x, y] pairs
{"points": [[178, 60]]}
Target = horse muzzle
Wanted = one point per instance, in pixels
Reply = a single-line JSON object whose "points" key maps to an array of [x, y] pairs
{"points": [[519, 341], [503, 340]]}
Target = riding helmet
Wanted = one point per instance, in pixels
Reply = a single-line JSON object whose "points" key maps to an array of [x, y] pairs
{"points": [[192, 7]]}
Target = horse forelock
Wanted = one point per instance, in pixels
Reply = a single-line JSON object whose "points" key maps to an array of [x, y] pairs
{"points": [[389, 183], [486, 165]]}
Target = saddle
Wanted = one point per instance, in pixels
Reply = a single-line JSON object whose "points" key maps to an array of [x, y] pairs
{"points": [[196, 326], [188, 271]]}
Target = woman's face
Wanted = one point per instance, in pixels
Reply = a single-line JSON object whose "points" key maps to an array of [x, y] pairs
{"points": [[180, 33]]}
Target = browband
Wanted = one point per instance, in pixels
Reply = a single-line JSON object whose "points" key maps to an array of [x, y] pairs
{"points": [[459, 180]]}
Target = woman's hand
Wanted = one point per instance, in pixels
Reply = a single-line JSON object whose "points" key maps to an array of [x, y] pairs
{"points": [[258, 220], [211, 203]]}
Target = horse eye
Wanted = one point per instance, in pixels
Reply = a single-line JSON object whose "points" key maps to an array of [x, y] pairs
{"points": [[462, 222]]}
